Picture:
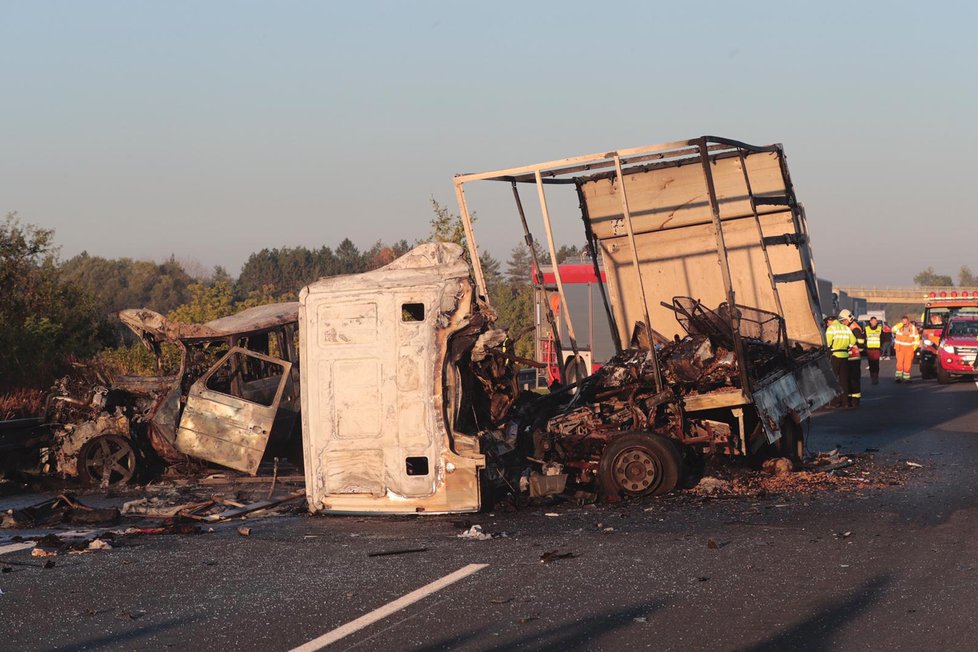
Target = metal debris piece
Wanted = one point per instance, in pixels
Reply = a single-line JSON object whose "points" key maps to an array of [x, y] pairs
{"points": [[474, 533], [403, 551], [547, 485], [254, 507]]}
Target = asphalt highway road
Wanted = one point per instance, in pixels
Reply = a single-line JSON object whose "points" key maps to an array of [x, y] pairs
{"points": [[671, 573]]}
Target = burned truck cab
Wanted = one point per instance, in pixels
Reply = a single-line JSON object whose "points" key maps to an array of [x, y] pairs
{"points": [[395, 386]]}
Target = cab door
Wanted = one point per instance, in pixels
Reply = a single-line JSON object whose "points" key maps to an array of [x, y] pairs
{"points": [[230, 411]]}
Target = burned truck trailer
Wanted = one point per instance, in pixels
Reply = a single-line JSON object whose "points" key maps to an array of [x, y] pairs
{"points": [[711, 297]]}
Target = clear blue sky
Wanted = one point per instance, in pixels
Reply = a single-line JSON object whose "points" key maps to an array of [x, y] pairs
{"points": [[213, 129]]}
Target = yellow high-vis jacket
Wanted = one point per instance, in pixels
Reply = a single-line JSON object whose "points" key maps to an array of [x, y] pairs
{"points": [[839, 338]]}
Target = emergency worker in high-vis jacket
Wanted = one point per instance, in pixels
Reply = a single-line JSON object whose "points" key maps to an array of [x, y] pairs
{"points": [[855, 357], [874, 342], [906, 340], [839, 339]]}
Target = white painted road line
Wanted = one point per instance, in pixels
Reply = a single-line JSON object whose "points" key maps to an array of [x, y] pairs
{"points": [[14, 547], [391, 607]]}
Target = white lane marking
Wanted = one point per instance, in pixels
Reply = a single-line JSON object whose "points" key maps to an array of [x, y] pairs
{"points": [[391, 607], [14, 547]]}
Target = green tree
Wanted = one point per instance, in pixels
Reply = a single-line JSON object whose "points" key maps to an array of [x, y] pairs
{"points": [[349, 260], [207, 302], [966, 278], [45, 321], [446, 226], [520, 264], [490, 270], [117, 283], [930, 278], [571, 253], [514, 308], [285, 270]]}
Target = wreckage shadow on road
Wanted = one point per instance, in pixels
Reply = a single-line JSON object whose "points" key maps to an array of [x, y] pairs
{"points": [[581, 634], [818, 631], [127, 639]]}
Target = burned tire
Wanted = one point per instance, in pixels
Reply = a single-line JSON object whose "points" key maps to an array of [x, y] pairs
{"points": [[639, 464], [107, 460], [943, 377]]}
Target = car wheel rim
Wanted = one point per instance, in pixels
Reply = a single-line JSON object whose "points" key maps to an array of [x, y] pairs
{"points": [[110, 461]]}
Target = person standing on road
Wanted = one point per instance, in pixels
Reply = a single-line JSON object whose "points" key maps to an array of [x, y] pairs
{"points": [[855, 357], [886, 341], [839, 339], [906, 340], [874, 341]]}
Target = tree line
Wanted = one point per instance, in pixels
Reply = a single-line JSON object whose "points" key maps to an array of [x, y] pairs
{"points": [[54, 313], [930, 278]]}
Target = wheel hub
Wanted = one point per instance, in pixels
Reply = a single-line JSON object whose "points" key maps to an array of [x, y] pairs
{"points": [[635, 470], [109, 460]]}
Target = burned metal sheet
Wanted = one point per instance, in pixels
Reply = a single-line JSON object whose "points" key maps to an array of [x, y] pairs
{"points": [[230, 412], [148, 323]]}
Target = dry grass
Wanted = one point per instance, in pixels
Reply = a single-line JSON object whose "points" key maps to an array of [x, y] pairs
{"points": [[21, 403]]}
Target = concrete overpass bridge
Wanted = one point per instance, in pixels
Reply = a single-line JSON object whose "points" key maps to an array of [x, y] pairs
{"points": [[908, 295]]}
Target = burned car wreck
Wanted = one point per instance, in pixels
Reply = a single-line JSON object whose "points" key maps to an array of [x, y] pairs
{"points": [[233, 396]]}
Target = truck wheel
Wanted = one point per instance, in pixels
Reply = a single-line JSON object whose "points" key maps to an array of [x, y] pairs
{"points": [[943, 377], [107, 460], [639, 464]]}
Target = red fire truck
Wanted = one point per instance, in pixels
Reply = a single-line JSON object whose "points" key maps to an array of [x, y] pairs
{"points": [[938, 309]]}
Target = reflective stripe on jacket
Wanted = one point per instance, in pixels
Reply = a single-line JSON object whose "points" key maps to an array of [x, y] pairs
{"points": [[873, 336], [906, 336], [839, 338]]}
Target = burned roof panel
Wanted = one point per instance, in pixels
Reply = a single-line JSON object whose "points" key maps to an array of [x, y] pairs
{"points": [[148, 323]]}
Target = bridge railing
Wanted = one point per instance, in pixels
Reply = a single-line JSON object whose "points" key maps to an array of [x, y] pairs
{"points": [[922, 291]]}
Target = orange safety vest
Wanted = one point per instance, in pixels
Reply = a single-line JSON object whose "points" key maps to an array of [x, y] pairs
{"points": [[906, 335]]}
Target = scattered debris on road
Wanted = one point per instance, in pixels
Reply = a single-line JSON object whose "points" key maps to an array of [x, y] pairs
{"points": [[825, 471], [553, 555], [64, 508]]}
